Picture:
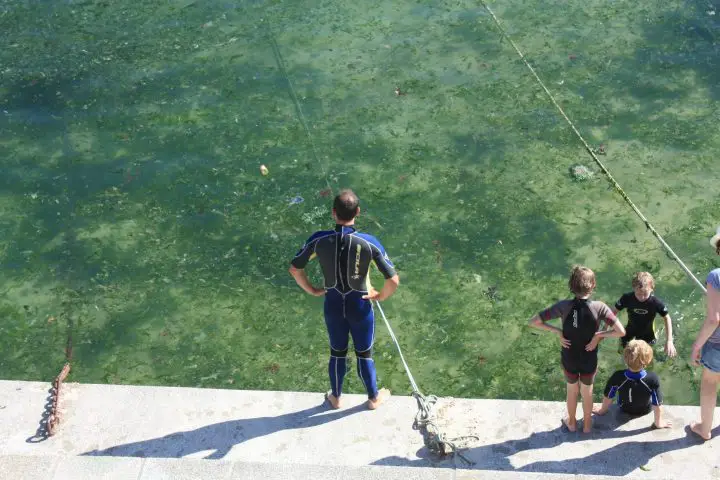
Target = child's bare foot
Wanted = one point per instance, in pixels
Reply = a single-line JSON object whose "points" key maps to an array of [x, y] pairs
{"points": [[695, 427], [332, 400], [570, 424], [587, 426], [383, 394]]}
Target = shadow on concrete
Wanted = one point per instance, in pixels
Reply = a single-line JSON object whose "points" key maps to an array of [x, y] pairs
{"points": [[621, 459], [222, 437]]}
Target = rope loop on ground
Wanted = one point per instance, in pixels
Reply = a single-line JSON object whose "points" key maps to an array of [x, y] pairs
{"points": [[433, 438]]}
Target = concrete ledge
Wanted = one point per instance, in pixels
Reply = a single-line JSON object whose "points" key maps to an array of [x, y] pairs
{"points": [[112, 431], [116, 468]]}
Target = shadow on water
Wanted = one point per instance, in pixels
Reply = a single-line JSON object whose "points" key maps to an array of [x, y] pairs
{"points": [[113, 207], [134, 181], [133, 196]]}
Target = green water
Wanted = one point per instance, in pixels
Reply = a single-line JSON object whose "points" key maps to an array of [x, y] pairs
{"points": [[133, 213]]}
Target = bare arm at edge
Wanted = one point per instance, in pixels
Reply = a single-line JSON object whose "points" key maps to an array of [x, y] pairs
{"points": [[389, 287], [303, 282]]}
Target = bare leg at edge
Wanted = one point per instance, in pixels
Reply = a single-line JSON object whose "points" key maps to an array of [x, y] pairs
{"points": [[708, 400], [572, 400], [586, 392]]}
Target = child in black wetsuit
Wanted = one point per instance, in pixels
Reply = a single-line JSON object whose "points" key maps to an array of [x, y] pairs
{"points": [[642, 307], [579, 337], [637, 391]]}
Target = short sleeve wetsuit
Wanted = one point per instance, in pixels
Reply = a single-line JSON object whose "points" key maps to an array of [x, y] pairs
{"points": [[636, 392], [581, 319], [345, 256], [641, 316]]}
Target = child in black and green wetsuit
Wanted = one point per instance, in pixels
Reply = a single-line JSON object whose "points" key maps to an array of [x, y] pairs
{"points": [[642, 307]]}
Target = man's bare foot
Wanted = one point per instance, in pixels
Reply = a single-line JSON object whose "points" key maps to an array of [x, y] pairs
{"points": [[383, 394], [695, 427], [572, 426], [332, 400], [587, 426]]}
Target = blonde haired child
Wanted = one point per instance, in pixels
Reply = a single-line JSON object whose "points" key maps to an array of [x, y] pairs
{"points": [[637, 391]]}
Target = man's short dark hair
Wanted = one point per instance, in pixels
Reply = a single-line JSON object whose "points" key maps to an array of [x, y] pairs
{"points": [[346, 205]]}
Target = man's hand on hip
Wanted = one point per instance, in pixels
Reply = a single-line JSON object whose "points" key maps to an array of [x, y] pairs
{"points": [[373, 295]]}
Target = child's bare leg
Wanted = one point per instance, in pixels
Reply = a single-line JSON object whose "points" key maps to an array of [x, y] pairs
{"points": [[708, 399], [572, 400], [586, 391]]}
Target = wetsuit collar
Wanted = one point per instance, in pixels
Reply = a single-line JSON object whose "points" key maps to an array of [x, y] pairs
{"points": [[635, 375], [344, 229]]}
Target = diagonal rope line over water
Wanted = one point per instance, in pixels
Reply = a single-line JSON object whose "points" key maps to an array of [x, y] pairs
{"points": [[293, 94], [592, 152]]}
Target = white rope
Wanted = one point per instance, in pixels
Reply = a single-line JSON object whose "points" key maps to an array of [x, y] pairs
{"points": [[397, 345], [433, 437]]}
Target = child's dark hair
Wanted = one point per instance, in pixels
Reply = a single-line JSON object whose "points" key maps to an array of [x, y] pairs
{"points": [[643, 280], [582, 280], [346, 205]]}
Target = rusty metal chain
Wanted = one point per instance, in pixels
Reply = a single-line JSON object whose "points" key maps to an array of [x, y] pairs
{"points": [[51, 417], [54, 416]]}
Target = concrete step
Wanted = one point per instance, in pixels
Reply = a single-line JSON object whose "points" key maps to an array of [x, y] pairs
{"points": [[120, 468], [278, 435]]}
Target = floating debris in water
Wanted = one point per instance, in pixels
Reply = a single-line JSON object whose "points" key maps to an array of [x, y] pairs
{"points": [[264, 170], [312, 217], [399, 92], [492, 293], [325, 192], [600, 150], [581, 173], [296, 200]]}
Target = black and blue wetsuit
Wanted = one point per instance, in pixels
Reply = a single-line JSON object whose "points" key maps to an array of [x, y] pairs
{"points": [[636, 392], [345, 256]]}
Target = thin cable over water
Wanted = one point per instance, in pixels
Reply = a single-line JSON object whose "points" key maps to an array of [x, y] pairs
{"points": [[589, 149], [301, 116]]}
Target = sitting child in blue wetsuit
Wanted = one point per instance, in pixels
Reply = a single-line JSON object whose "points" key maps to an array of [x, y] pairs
{"points": [[637, 391]]}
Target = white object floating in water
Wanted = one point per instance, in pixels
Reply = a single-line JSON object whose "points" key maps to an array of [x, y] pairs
{"points": [[711, 12], [581, 172], [264, 170], [296, 200]]}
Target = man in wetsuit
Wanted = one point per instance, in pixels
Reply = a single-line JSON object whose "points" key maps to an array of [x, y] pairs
{"points": [[345, 256]]}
